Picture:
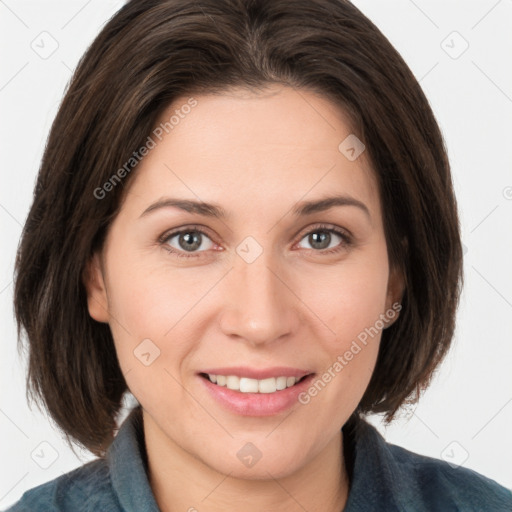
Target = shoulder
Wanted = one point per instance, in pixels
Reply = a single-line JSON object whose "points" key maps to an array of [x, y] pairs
{"points": [[397, 479], [440, 484], [115, 483], [87, 488]]}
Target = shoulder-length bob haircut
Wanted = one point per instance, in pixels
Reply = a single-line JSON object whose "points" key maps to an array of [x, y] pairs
{"points": [[148, 54]]}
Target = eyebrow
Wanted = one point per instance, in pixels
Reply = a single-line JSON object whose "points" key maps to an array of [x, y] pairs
{"points": [[301, 209]]}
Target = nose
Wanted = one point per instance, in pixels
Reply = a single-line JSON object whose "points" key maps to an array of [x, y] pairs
{"points": [[258, 305]]}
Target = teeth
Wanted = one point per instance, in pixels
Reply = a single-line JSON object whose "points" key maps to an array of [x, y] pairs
{"points": [[281, 382], [246, 385]]}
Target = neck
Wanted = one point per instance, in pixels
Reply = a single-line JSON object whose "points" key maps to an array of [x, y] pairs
{"points": [[181, 481]]}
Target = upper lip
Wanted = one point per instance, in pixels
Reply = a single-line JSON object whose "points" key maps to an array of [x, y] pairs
{"points": [[258, 373]]}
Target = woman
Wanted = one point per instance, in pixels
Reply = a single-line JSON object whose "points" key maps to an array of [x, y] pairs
{"points": [[244, 217]]}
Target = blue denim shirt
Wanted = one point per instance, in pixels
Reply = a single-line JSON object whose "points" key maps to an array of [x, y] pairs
{"points": [[383, 477]]}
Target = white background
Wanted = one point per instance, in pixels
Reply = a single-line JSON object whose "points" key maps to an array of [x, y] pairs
{"points": [[466, 416]]}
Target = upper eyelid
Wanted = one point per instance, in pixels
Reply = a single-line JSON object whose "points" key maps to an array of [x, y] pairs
{"points": [[187, 229], [325, 227]]}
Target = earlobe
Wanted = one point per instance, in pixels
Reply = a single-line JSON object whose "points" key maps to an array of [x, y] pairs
{"points": [[97, 301]]}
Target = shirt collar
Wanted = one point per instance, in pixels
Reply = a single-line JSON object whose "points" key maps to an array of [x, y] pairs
{"points": [[128, 469], [376, 477]]}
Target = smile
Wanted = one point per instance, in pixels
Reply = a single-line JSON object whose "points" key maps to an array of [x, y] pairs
{"points": [[248, 385]]}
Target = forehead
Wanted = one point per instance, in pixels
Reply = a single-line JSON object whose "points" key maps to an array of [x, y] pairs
{"points": [[245, 149]]}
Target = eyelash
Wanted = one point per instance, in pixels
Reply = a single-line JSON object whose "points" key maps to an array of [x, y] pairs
{"points": [[347, 239]]}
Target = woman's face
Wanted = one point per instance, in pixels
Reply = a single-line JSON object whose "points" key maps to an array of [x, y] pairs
{"points": [[262, 284]]}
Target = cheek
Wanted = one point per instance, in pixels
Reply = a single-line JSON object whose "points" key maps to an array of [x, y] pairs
{"points": [[351, 298], [143, 307], [153, 311], [350, 301], [353, 311], [147, 314], [150, 299]]}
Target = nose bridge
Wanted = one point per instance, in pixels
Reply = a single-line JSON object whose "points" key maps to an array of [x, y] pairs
{"points": [[258, 306]]}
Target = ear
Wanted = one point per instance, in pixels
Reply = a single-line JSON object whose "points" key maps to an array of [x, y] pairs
{"points": [[97, 300], [394, 295]]}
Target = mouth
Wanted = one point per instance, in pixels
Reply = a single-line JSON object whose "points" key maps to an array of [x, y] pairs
{"points": [[247, 396], [254, 386]]}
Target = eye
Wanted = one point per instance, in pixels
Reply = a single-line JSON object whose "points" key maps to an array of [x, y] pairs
{"points": [[189, 240], [327, 239]]}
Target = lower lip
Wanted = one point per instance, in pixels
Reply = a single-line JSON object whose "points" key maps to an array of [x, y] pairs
{"points": [[256, 404]]}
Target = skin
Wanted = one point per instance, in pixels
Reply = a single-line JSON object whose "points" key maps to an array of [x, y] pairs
{"points": [[256, 155]]}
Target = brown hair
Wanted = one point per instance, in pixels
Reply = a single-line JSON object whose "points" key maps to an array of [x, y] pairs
{"points": [[153, 51]]}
